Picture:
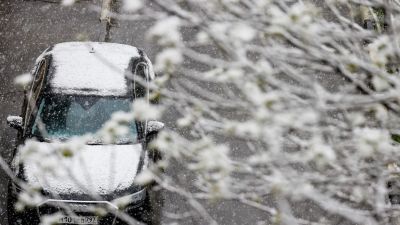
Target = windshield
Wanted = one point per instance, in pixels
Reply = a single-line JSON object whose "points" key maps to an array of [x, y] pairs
{"points": [[66, 116]]}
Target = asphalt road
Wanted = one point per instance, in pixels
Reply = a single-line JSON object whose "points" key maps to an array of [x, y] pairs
{"points": [[29, 27]]}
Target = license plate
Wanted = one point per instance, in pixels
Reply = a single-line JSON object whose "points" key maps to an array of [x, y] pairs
{"points": [[79, 220]]}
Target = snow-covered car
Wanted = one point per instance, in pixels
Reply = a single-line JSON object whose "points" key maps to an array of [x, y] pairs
{"points": [[75, 89]]}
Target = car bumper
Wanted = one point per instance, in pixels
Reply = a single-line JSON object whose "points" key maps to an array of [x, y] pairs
{"points": [[106, 211]]}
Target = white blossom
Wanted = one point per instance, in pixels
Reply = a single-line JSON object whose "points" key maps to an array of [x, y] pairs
{"points": [[122, 202], [242, 32], [132, 5], [213, 158], [145, 177], [166, 31], [381, 113], [380, 51], [185, 121], [168, 59], [219, 29], [202, 37], [142, 110], [225, 75], [117, 127], [167, 143], [28, 198], [372, 141], [67, 2], [357, 118], [51, 219], [23, 80], [380, 84], [321, 152]]}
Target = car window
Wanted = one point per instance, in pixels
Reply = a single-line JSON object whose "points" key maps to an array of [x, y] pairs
{"points": [[67, 116]]}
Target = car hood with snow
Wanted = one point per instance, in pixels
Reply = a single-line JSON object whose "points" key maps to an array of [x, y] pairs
{"points": [[107, 171]]}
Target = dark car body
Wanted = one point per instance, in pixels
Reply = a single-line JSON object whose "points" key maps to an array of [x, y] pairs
{"points": [[86, 80]]}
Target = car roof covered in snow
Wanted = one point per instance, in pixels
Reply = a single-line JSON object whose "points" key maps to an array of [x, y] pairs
{"points": [[91, 68]]}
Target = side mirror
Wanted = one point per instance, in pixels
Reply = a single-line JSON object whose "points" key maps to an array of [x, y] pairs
{"points": [[154, 126], [15, 122]]}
